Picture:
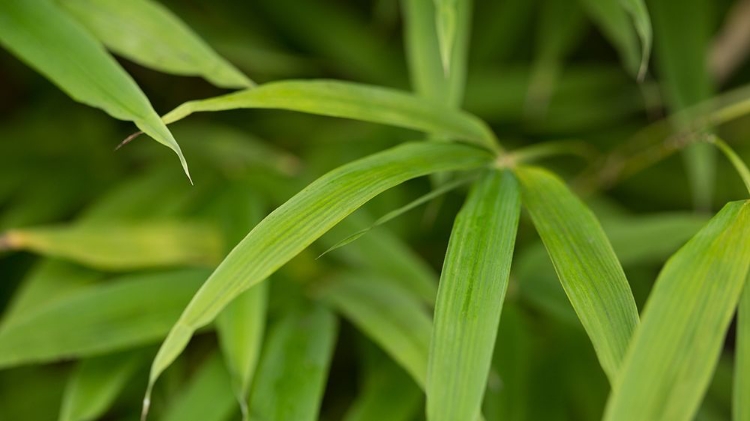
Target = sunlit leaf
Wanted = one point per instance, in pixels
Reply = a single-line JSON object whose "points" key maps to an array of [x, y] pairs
{"points": [[740, 403], [296, 224], [148, 33], [585, 263], [675, 349], [470, 297], [46, 38]]}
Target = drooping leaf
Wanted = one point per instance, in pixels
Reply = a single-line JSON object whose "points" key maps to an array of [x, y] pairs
{"points": [[624, 22], [740, 403], [124, 246], [470, 297], [149, 34], [96, 382], [294, 366], [131, 311], [206, 397], [350, 100], [585, 264], [675, 349], [303, 219], [390, 316], [53, 43]]}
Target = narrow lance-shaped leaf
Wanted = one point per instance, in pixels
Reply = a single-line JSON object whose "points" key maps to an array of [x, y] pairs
{"points": [[96, 382], [446, 21], [428, 77], [304, 218], [206, 397], [294, 366], [470, 297], [124, 313], [149, 34], [241, 324], [123, 246], [53, 43], [616, 25], [392, 317], [740, 402], [350, 100], [675, 349], [585, 263]]}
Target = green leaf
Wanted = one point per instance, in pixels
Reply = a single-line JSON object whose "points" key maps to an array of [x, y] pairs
{"points": [[296, 224], [388, 394], [676, 347], [446, 22], [240, 328], [96, 383], [294, 366], [350, 100], [682, 58], [470, 297], [124, 313], [398, 212], [50, 41], [585, 263], [206, 397], [123, 246], [149, 34], [740, 403], [426, 70], [623, 22], [392, 317]]}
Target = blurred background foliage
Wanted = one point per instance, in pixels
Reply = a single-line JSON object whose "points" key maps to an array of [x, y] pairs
{"points": [[539, 70]]}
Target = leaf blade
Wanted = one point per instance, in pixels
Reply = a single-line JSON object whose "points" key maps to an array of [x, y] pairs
{"points": [[149, 34], [470, 297], [30, 29], [585, 264], [687, 315]]}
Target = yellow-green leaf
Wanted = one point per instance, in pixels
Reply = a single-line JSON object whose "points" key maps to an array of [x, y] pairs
{"points": [[585, 263], [47, 39], [675, 349], [470, 298], [149, 34]]}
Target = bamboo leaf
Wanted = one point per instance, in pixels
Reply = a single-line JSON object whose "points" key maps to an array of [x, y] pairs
{"points": [[124, 246], [240, 328], [470, 298], [127, 312], [149, 34], [294, 366], [741, 390], [350, 100], [585, 263], [398, 212], [390, 316], [446, 22], [96, 382], [206, 397], [426, 70], [676, 347], [300, 221], [44, 37]]}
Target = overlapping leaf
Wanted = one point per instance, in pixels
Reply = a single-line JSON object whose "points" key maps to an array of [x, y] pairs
{"points": [[46, 38], [675, 349], [303, 219]]}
